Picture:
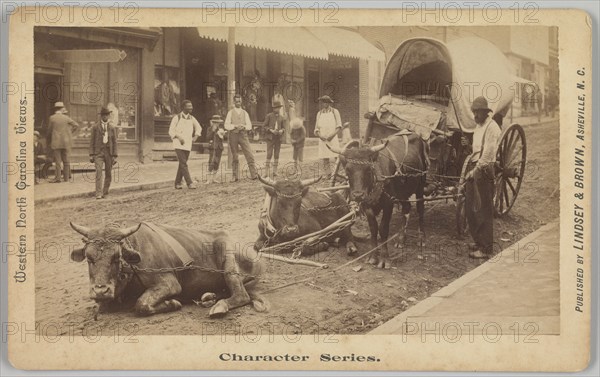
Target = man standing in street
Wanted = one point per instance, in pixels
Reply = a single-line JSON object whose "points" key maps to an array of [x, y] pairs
{"points": [[103, 151], [60, 138], [184, 130], [479, 188], [273, 126], [327, 126], [238, 123]]}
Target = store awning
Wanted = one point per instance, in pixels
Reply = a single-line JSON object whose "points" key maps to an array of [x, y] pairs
{"points": [[347, 43], [286, 40]]}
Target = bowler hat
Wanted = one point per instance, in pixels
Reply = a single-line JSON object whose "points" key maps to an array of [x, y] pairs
{"points": [[325, 98], [59, 105], [277, 104], [480, 103], [36, 133], [216, 118], [104, 111]]}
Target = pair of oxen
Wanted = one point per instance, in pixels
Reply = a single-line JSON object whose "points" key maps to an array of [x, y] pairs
{"points": [[131, 263]]}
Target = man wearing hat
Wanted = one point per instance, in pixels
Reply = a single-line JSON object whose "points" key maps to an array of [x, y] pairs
{"points": [[216, 134], [237, 124], [479, 187], [60, 138], [327, 126], [103, 151], [274, 127]]}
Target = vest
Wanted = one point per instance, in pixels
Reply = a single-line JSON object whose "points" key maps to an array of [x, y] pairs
{"points": [[238, 118]]}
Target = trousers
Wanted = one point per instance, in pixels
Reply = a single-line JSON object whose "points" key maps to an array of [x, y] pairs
{"points": [[63, 165], [182, 168], [479, 205], [103, 159], [240, 139]]}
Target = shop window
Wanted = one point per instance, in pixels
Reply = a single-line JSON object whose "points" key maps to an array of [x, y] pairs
{"points": [[167, 74], [113, 85], [167, 93]]}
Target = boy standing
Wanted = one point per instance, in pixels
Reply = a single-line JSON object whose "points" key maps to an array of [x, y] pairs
{"points": [[216, 134], [273, 126]]}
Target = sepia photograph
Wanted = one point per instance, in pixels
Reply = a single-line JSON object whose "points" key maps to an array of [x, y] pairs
{"points": [[401, 158]]}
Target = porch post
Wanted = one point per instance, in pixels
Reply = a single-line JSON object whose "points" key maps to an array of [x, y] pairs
{"points": [[230, 81]]}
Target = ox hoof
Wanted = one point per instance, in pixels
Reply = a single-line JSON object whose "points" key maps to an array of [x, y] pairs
{"points": [[208, 299], [219, 309], [351, 249], [384, 263], [260, 305], [173, 304]]}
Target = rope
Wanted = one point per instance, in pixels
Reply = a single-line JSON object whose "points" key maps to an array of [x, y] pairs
{"points": [[332, 270]]}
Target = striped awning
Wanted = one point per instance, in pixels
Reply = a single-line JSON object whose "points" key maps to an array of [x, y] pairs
{"points": [[348, 43], [286, 40]]}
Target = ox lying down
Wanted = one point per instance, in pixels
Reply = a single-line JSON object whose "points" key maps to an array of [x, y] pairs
{"points": [[140, 263], [294, 210]]}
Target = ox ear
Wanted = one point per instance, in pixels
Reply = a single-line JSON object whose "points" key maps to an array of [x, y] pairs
{"points": [[78, 255], [131, 256], [270, 190]]}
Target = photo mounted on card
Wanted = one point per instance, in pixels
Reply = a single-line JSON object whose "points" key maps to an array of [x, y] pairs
{"points": [[299, 188]]}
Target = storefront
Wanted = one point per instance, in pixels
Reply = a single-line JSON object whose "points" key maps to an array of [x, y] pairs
{"points": [[88, 68]]}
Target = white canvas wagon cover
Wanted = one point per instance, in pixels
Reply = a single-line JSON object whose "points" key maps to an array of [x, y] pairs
{"points": [[452, 75]]}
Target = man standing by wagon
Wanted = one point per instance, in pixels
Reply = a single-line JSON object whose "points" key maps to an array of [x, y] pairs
{"points": [[479, 188], [238, 123], [60, 138], [103, 151]]}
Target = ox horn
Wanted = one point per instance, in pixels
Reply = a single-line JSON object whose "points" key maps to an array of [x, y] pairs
{"points": [[129, 231], [310, 181], [84, 231], [265, 181], [377, 148], [335, 150]]}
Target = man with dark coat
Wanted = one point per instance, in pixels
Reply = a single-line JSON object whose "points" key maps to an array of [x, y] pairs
{"points": [[479, 188], [103, 151], [274, 127], [60, 138]]}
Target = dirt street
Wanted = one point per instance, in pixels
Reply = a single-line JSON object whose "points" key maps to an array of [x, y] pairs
{"points": [[341, 302]]}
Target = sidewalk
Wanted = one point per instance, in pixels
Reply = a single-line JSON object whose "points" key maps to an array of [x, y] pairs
{"points": [[518, 287], [160, 174]]}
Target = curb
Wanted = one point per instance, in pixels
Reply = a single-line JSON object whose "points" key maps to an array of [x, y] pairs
{"points": [[394, 325]]}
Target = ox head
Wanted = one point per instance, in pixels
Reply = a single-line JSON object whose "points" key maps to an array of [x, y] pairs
{"points": [[105, 251], [359, 164], [286, 199]]}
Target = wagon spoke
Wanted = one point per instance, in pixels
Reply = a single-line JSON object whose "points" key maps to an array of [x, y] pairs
{"points": [[505, 191], [512, 188]]}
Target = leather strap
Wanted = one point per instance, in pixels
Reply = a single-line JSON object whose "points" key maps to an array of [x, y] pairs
{"points": [[176, 247]]}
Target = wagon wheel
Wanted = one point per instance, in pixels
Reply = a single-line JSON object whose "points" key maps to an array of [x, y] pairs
{"points": [[510, 168], [462, 227]]}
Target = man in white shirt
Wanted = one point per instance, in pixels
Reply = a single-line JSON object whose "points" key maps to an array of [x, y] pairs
{"points": [[479, 188], [184, 130], [238, 123]]}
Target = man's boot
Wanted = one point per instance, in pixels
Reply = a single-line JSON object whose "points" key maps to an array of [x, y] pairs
{"points": [[275, 163]]}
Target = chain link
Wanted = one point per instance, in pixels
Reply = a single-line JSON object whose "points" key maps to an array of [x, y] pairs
{"points": [[187, 268]]}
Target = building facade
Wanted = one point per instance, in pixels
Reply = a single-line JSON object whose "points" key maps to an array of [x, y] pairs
{"points": [[143, 74]]}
